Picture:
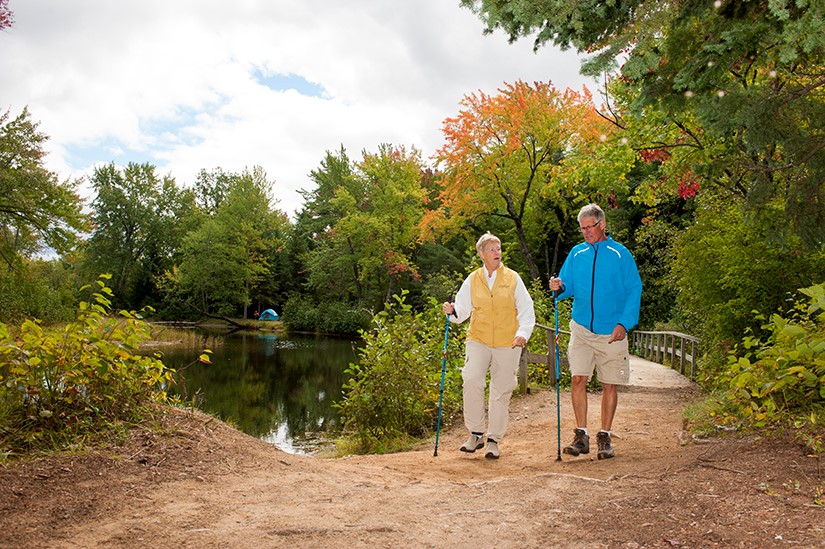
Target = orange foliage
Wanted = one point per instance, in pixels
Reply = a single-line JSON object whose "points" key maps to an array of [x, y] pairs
{"points": [[500, 149]]}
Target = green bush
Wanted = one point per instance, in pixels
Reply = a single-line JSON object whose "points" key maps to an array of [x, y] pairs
{"points": [[36, 290], [725, 268], [782, 381], [342, 318], [300, 315], [77, 383], [332, 317], [393, 393]]}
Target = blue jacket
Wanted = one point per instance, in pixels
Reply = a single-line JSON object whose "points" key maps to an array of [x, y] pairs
{"points": [[605, 285]]}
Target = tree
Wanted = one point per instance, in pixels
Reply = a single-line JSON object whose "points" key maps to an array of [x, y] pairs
{"points": [[6, 15], [750, 74], [140, 220], [362, 219], [227, 262], [36, 212], [502, 150]]}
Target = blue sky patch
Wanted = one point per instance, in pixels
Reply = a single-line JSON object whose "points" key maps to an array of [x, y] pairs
{"points": [[289, 81]]}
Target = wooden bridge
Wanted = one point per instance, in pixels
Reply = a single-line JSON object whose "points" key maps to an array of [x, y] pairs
{"points": [[675, 349]]}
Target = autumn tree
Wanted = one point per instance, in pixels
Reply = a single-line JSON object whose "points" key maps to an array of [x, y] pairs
{"points": [[502, 150], [749, 74], [6, 15]]}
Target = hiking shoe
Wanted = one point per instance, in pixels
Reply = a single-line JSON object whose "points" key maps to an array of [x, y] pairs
{"points": [[580, 445], [475, 442], [492, 449], [605, 449]]}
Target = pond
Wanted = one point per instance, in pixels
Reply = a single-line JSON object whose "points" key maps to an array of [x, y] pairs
{"points": [[279, 388]]}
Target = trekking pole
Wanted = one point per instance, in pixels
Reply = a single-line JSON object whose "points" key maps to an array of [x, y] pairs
{"points": [[558, 380], [441, 390]]}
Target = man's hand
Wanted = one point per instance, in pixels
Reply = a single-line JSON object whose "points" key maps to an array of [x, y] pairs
{"points": [[519, 342], [619, 333]]}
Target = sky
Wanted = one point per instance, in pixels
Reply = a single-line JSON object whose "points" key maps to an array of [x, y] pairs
{"points": [[187, 85]]}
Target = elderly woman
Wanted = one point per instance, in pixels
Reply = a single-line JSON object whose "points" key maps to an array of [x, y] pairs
{"points": [[501, 321]]}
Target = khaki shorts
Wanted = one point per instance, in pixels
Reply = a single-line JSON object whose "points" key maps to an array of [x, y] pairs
{"points": [[588, 350]]}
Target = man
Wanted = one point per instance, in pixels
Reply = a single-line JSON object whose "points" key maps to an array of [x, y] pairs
{"points": [[502, 320], [601, 276]]}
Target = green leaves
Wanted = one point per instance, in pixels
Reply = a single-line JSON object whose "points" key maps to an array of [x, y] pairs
{"points": [[36, 210], [392, 394], [82, 379], [784, 377]]}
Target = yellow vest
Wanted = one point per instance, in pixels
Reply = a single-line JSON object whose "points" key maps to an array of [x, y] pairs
{"points": [[493, 321]]}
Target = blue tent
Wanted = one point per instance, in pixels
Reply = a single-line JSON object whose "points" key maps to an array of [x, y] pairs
{"points": [[269, 314]]}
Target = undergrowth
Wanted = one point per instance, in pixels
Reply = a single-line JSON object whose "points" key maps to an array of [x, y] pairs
{"points": [[777, 384], [71, 387]]}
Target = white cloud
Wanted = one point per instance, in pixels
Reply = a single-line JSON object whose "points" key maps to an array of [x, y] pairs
{"points": [[178, 84]]}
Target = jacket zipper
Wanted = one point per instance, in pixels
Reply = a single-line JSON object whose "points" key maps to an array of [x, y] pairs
{"points": [[593, 287]]}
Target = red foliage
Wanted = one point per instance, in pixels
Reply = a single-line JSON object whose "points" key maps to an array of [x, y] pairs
{"points": [[6, 15], [654, 155], [688, 188]]}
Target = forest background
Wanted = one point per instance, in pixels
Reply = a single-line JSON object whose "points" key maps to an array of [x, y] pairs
{"points": [[705, 146]]}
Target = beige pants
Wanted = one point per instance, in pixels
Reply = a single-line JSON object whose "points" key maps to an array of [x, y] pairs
{"points": [[502, 363], [588, 350]]}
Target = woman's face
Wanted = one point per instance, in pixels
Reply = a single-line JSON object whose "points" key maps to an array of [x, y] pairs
{"points": [[491, 255]]}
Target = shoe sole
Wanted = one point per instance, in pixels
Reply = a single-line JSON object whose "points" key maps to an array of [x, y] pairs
{"points": [[603, 455], [491, 455], [463, 449], [571, 452]]}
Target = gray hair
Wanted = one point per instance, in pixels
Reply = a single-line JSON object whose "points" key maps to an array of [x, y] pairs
{"points": [[591, 210], [485, 238]]}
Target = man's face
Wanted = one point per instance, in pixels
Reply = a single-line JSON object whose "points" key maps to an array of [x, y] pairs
{"points": [[592, 230]]}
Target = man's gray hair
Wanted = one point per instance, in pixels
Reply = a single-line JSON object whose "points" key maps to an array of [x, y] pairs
{"points": [[485, 238], [591, 210]]}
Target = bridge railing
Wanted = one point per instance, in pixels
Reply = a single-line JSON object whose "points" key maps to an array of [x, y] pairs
{"points": [[672, 347], [675, 348], [548, 358]]}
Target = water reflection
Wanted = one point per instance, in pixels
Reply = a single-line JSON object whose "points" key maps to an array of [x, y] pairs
{"points": [[278, 388]]}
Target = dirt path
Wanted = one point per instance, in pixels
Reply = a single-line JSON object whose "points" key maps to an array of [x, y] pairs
{"points": [[208, 485]]}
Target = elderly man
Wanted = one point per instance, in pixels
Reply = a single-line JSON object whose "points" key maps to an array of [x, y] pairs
{"points": [[602, 278]]}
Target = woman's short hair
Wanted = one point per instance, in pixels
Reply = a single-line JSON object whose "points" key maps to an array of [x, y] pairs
{"points": [[485, 238], [591, 210]]}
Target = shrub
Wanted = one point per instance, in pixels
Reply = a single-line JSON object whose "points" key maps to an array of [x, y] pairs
{"points": [[331, 317], [300, 315], [393, 392], [342, 318], [77, 383], [782, 381]]}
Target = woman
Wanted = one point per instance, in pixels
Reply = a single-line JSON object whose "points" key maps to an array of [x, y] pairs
{"points": [[501, 321]]}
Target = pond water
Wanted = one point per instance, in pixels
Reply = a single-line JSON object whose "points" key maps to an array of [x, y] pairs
{"points": [[279, 388]]}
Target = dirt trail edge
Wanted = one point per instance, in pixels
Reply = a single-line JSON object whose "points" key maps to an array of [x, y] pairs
{"points": [[205, 484]]}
